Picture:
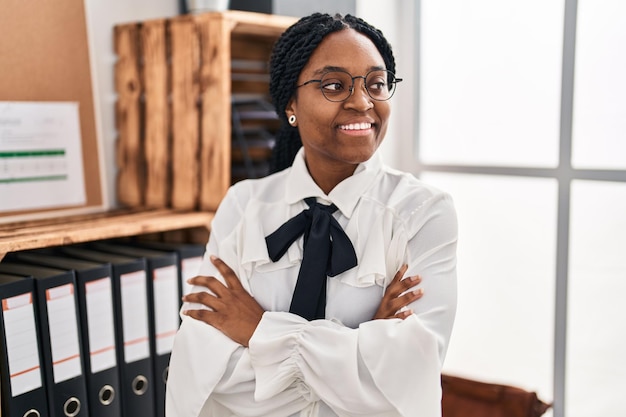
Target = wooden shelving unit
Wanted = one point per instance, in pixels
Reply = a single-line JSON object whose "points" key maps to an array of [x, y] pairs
{"points": [[77, 229], [173, 116], [175, 86], [174, 150]]}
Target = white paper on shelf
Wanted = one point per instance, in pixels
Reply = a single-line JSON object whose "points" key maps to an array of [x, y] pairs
{"points": [[41, 164]]}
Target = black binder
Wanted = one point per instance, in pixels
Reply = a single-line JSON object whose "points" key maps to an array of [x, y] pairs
{"points": [[21, 362], [98, 330], [130, 288], [60, 337], [164, 307], [190, 256]]}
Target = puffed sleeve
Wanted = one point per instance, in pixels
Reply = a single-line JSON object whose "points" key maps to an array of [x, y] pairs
{"points": [[384, 367], [190, 382], [209, 374]]}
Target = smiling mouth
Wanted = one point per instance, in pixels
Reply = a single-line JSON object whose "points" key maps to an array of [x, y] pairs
{"points": [[356, 126]]}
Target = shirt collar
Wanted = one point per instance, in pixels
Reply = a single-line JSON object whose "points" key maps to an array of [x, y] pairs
{"points": [[345, 195]]}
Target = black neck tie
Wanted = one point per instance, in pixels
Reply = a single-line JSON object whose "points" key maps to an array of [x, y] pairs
{"points": [[327, 252]]}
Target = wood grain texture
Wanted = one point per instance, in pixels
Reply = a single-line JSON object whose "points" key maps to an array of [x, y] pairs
{"points": [[130, 179], [41, 234], [174, 148], [157, 113], [216, 110], [185, 113]]}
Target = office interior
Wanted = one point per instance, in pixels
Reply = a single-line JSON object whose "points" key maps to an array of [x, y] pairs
{"points": [[518, 110]]}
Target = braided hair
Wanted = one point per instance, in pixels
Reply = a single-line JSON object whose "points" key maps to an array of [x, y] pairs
{"points": [[289, 56]]}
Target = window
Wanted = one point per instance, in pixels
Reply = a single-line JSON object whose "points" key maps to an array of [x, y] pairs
{"points": [[522, 118]]}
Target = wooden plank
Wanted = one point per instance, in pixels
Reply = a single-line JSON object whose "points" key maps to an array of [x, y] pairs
{"points": [[11, 228], [131, 173], [258, 24], [185, 116], [216, 109], [87, 230], [19, 230], [157, 139]]}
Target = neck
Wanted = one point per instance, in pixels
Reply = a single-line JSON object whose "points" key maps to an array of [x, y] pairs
{"points": [[327, 177]]}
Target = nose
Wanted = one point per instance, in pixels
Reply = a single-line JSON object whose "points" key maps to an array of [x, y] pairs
{"points": [[359, 97]]}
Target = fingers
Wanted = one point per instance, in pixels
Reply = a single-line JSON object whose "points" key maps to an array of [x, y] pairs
{"points": [[397, 287], [399, 274], [211, 283], [404, 300], [221, 293], [403, 314], [229, 275], [202, 315], [204, 298], [399, 294]]}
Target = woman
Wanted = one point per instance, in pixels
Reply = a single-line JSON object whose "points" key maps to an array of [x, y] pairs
{"points": [[281, 324]]}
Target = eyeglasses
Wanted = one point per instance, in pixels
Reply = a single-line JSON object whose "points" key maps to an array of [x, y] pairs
{"points": [[338, 86]]}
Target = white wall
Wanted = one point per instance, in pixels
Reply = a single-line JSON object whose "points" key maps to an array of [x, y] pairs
{"points": [[102, 16]]}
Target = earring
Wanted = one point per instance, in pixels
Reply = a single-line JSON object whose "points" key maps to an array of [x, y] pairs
{"points": [[292, 119]]}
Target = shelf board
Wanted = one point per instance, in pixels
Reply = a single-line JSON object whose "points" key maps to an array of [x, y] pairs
{"points": [[85, 228], [258, 24]]}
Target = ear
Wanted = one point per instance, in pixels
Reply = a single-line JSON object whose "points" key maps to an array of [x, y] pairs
{"points": [[290, 109]]}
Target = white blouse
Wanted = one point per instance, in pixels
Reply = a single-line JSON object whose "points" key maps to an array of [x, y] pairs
{"points": [[346, 364]]}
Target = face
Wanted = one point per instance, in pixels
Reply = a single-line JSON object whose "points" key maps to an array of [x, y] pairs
{"points": [[339, 135]]}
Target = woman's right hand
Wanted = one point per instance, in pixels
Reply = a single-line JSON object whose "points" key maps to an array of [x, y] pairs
{"points": [[398, 295]]}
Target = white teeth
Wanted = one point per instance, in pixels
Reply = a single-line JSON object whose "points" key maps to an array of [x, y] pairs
{"points": [[356, 126]]}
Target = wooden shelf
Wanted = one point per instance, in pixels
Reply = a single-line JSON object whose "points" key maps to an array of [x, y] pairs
{"points": [[85, 228], [175, 75], [257, 24]]}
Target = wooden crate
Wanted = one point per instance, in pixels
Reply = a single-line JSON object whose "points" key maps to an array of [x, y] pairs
{"points": [[174, 86]]}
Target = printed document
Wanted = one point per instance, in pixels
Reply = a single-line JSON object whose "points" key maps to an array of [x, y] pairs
{"points": [[41, 164]]}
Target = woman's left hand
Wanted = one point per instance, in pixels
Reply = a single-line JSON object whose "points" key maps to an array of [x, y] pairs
{"points": [[234, 311], [398, 295]]}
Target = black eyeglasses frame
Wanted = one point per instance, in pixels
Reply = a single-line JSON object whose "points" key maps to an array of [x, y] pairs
{"points": [[351, 89]]}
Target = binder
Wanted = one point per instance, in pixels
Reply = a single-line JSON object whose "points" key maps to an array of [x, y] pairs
{"points": [[95, 304], [164, 307], [60, 337], [21, 374], [190, 256], [130, 302]]}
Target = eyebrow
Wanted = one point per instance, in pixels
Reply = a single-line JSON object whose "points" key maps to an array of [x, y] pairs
{"points": [[330, 68]]}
